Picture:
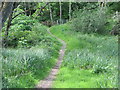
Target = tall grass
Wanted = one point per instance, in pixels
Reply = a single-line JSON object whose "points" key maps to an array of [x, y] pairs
{"points": [[30, 62], [95, 53], [28, 65]]}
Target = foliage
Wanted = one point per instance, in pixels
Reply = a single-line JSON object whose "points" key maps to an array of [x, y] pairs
{"points": [[89, 21], [113, 6], [25, 32], [69, 78], [87, 52], [90, 58], [22, 63], [28, 65]]}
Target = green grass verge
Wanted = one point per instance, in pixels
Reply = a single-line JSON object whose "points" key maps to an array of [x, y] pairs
{"points": [[75, 78], [90, 60]]}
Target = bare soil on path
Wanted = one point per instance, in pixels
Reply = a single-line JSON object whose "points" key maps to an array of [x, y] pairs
{"points": [[47, 82]]}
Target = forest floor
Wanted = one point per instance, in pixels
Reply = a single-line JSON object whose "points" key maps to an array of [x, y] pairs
{"points": [[47, 82]]}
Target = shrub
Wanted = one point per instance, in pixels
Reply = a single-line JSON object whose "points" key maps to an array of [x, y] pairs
{"points": [[88, 21], [25, 32]]}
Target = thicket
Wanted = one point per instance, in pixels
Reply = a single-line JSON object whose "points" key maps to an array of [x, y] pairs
{"points": [[98, 20], [25, 32]]}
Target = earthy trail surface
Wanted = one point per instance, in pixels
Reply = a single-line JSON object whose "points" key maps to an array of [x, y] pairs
{"points": [[47, 82]]}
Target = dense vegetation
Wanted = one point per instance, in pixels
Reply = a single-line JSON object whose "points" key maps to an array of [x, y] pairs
{"points": [[29, 52], [90, 60], [21, 65], [33, 51]]}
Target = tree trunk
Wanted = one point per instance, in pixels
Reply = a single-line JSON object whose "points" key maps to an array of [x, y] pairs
{"points": [[51, 16], [29, 4], [25, 8], [8, 25], [7, 30], [1, 5], [5, 10], [0, 28], [60, 12], [70, 10]]}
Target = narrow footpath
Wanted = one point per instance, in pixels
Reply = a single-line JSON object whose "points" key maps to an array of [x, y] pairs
{"points": [[47, 82]]}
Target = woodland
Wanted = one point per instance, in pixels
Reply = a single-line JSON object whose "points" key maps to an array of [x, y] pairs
{"points": [[32, 34]]}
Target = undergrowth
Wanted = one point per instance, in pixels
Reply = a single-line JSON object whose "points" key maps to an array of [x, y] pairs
{"points": [[90, 56], [31, 60]]}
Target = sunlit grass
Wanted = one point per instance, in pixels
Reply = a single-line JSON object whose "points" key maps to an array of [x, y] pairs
{"points": [[92, 56], [78, 78]]}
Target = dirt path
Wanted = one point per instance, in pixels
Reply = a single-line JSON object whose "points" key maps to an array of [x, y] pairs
{"points": [[47, 82]]}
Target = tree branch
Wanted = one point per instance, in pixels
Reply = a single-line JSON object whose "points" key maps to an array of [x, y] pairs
{"points": [[30, 10]]}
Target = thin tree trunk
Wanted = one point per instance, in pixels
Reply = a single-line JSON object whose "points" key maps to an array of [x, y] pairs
{"points": [[60, 12], [8, 25], [7, 30], [1, 5], [0, 31], [25, 8], [51, 16], [70, 10], [29, 8]]}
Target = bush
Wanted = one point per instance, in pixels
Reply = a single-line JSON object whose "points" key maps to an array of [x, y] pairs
{"points": [[25, 32], [88, 21]]}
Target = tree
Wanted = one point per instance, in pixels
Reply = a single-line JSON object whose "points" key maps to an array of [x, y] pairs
{"points": [[9, 24], [70, 10], [51, 16], [15, 4], [60, 11], [5, 11]]}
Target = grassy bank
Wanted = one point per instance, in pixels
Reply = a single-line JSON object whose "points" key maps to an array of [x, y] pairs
{"points": [[24, 66], [90, 60]]}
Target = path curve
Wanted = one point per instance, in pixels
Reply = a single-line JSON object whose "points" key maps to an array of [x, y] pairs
{"points": [[47, 82]]}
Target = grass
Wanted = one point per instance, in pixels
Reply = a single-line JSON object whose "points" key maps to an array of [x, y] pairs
{"points": [[90, 60], [23, 67], [90, 57], [75, 78], [66, 35]]}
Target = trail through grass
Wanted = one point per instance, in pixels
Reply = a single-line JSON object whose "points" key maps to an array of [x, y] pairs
{"points": [[24, 68], [90, 60]]}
